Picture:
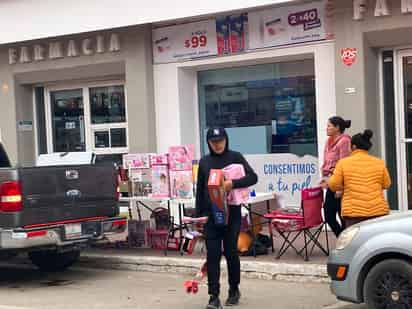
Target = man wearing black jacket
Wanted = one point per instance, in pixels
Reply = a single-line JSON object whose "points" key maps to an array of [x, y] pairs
{"points": [[220, 156]]}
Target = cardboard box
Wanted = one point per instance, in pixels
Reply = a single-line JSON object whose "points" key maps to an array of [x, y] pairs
{"points": [[159, 159], [236, 196], [216, 189], [181, 157], [160, 181], [141, 182], [137, 160], [123, 186], [181, 184]]}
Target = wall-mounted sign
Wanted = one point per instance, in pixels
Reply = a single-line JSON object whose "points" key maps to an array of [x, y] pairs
{"points": [[286, 174], [350, 90], [25, 125], [59, 49], [381, 8], [348, 55], [70, 125], [227, 35], [182, 42], [291, 24]]}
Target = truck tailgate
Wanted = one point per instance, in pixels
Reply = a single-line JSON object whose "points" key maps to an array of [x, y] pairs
{"points": [[53, 194]]}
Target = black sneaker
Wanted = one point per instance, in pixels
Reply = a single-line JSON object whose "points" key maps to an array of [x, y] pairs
{"points": [[214, 303], [234, 297]]}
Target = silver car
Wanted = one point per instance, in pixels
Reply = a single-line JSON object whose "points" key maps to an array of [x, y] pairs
{"points": [[372, 263]]}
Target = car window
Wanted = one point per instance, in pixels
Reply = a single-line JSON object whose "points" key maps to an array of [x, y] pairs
{"points": [[4, 159]]}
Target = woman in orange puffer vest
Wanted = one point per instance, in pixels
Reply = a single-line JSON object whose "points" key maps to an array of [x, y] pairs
{"points": [[363, 179]]}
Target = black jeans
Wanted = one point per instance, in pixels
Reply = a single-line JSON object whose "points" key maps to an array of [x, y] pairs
{"points": [[228, 235], [332, 207]]}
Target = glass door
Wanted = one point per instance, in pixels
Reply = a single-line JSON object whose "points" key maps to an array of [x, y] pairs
{"points": [[67, 121], [404, 121]]}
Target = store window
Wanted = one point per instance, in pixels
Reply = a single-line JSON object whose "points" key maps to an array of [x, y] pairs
{"points": [[107, 105], [108, 118], [269, 108], [86, 118], [111, 138]]}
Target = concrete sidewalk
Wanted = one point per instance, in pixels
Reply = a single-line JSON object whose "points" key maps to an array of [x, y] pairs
{"points": [[290, 267], [256, 268]]}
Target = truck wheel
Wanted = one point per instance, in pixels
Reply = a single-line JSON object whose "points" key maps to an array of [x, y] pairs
{"points": [[388, 285], [52, 261]]}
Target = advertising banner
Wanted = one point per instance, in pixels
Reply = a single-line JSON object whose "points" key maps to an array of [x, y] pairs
{"points": [[285, 174], [186, 41], [232, 34], [291, 24]]}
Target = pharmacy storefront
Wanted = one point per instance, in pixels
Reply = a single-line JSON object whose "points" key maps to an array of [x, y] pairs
{"points": [[374, 83], [267, 76], [90, 92]]}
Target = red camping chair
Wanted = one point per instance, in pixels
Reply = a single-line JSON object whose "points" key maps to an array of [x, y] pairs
{"points": [[308, 222]]}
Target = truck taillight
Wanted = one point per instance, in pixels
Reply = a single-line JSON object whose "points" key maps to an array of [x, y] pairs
{"points": [[11, 196]]}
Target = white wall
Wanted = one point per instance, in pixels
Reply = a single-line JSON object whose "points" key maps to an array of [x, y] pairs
{"points": [[176, 99], [48, 18], [132, 63], [166, 89]]}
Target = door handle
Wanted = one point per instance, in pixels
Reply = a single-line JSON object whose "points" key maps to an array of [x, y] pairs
{"points": [[406, 140]]}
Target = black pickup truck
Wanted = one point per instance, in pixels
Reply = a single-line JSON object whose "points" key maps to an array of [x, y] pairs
{"points": [[53, 212]]}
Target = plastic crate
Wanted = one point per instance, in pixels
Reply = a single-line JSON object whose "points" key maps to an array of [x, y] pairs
{"points": [[138, 236], [157, 240]]}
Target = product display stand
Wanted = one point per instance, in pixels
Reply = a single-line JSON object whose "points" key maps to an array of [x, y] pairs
{"points": [[142, 201]]}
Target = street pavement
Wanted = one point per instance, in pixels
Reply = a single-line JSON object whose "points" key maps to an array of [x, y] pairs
{"points": [[26, 288]]}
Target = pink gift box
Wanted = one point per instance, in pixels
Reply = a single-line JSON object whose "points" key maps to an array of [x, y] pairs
{"points": [[160, 181], [138, 160], [236, 196], [181, 184], [181, 157], [159, 159]]}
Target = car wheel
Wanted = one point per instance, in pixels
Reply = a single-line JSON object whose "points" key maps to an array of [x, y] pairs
{"points": [[388, 285], [52, 261]]}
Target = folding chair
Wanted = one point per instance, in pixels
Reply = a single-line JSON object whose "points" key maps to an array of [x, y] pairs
{"points": [[191, 236], [186, 227], [308, 222]]}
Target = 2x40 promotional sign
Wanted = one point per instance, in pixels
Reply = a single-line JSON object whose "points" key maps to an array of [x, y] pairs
{"points": [[291, 24]]}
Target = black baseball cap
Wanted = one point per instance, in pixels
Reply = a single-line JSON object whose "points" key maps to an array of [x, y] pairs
{"points": [[216, 134]]}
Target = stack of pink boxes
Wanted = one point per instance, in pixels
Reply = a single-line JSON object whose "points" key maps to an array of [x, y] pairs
{"points": [[181, 174], [236, 196], [160, 175], [139, 173]]}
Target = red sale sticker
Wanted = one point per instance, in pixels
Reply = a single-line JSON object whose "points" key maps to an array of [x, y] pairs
{"points": [[196, 41], [348, 55]]}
